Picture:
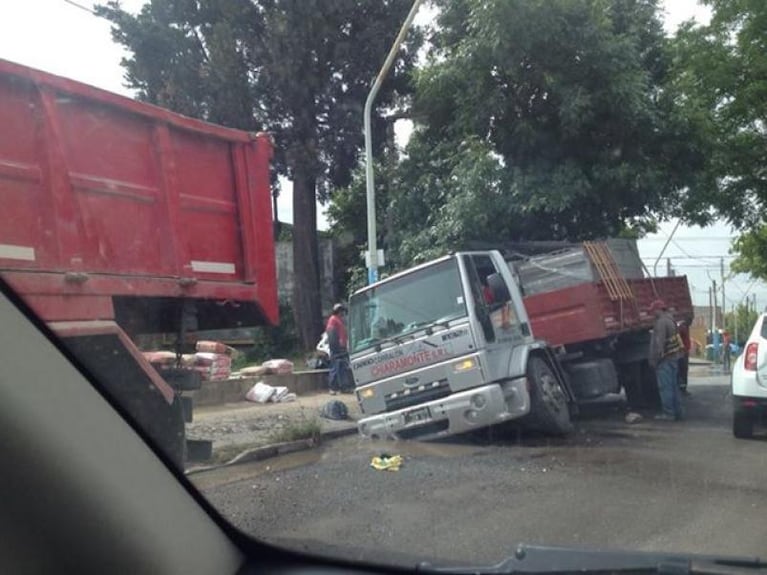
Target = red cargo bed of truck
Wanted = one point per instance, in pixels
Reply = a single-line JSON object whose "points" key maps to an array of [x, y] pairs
{"points": [[585, 312], [104, 197]]}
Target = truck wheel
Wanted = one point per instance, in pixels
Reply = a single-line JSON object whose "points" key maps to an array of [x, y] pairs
{"points": [[742, 424], [549, 411], [593, 378]]}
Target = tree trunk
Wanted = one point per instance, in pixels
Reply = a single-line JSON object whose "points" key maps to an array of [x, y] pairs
{"points": [[307, 306]]}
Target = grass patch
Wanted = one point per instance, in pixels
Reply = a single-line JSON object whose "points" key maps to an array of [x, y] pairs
{"points": [[306, 429]]}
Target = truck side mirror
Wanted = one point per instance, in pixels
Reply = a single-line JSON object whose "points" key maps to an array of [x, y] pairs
{"points": [[498, 288]]}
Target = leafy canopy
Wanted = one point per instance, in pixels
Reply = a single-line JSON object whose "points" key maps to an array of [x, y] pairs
{"points": [[300, 69], [721, 81], [540, 119]]}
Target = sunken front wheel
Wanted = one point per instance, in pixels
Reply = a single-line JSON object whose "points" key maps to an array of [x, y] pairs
{"points": [[549, 410]]}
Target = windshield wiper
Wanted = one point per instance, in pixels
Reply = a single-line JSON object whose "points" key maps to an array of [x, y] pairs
{"points": [[399, 339], [428, 324], [556, 560]]}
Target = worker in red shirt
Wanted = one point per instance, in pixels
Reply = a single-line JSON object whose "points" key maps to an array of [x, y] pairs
{"points": [[338, 342], [684, 361]]}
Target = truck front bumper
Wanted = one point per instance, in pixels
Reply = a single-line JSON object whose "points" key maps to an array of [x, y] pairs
{"points": [[459, 412]]}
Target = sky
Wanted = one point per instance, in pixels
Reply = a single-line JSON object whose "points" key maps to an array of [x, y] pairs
{"points": [[58, 37]]}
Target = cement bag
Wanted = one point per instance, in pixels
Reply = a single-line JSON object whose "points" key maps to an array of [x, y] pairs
{"points": [[279, 366], [260, 393], [254, 371], [280, 392], [213, 347], [160, 357], [323, 346]]}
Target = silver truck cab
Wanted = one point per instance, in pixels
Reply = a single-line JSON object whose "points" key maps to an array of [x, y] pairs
{"points": [[441, 348]]}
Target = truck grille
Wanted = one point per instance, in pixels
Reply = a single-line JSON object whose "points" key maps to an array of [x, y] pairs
{"points": [[416, 395]]}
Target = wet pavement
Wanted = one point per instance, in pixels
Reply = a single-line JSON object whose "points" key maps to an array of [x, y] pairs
{"points": [[687, 487]]}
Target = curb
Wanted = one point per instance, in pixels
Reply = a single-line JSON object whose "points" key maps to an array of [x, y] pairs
{"points": [[275, 450]]}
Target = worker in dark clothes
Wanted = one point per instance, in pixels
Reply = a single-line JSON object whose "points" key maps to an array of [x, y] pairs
{"points": [[726, 351], [340, 376], [665, 351], [684, 360]]}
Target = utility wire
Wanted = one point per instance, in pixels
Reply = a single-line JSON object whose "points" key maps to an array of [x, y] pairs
{"points": [[649, 258], [695, 257], [688, 238], [698, 266]]}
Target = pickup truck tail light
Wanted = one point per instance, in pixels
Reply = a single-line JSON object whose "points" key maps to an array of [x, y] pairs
{"points": [[752, 350]]}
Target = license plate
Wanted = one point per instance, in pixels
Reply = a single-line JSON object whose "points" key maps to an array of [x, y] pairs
{"points": [[417, 415]]}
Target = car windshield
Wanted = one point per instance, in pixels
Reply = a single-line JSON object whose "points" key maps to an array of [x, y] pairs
{"points": [[400, 306], [302, 283]]}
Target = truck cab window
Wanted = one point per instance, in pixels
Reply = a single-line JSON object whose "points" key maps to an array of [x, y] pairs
{"points": [[478, 267], [426, 297]]}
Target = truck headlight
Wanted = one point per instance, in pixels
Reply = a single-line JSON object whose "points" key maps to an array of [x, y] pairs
{"points": [[464, 365], [367, 393]]}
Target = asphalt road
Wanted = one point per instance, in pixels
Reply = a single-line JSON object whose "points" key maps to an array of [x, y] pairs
{"points": [[656, 486]]}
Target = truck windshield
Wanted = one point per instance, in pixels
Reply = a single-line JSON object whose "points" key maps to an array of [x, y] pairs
{"points": [[422, 298]]}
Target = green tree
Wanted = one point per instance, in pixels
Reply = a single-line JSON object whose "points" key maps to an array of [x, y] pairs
{"points": [[300, 69], [720, 74], [751, 248], [182, 53], [570, 95], [540, 119], [740, 322]]}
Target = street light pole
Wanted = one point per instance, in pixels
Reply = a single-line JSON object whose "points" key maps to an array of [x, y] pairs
{"points": [[369, 179], [660, 255]]}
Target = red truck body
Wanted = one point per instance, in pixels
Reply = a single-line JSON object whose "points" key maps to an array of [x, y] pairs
{"points": [[604, 326], [104, 197], [119, 218], [585, 312]]}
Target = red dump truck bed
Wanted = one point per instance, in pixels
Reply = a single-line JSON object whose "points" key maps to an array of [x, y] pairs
{"points": [[585, 312], [105, 197]]}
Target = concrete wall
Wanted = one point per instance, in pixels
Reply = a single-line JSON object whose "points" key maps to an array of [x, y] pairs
{"points": [[285, 275], [234, 390]]}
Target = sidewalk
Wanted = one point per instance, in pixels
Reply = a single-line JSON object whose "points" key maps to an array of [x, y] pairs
{"points": [[234, 427], [703, 368]]}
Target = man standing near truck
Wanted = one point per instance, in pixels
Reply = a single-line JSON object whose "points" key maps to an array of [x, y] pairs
{"points": [[665, 350], [726, 351], [339, 352]]}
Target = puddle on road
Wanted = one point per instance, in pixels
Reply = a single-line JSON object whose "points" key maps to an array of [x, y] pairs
{"points": [[337, 450], [606, 434], [433, 449], [225, 475]]}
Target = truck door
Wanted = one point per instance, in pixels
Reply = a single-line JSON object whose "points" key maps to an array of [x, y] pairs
{"points": [[498, 319], [507, 320], [480, 292]]}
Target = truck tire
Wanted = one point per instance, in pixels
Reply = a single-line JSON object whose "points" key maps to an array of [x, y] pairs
{"points": [[742, 424], [593, 378], [549, 409]]}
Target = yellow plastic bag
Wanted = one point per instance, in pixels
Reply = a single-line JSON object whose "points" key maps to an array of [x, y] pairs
{"points": [[387, 462]]}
